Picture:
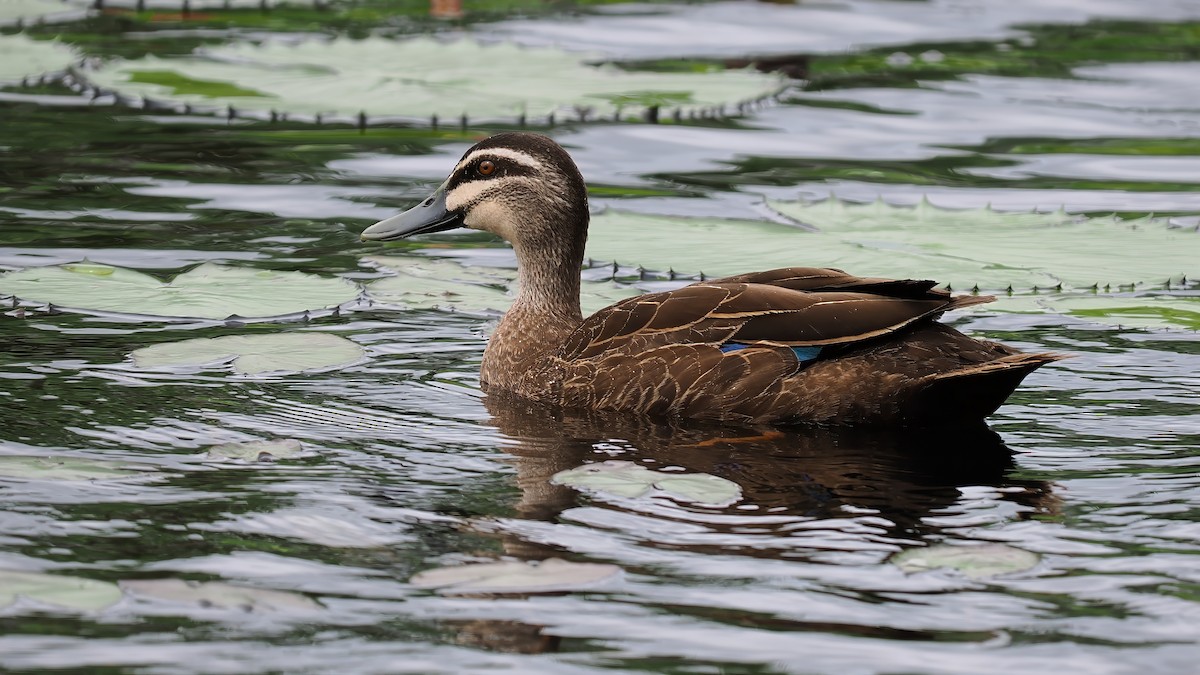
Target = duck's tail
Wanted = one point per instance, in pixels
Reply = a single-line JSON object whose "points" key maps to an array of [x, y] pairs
{"points": [[974, 392]]}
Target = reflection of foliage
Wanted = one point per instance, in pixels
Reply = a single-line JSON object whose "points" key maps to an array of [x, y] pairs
{"points": [[945, 169], [101, 34], [1051, 50]]}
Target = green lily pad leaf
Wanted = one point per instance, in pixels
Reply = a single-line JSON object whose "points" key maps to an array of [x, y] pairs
{"points": [[208, 291], [700, 488], [635, 240], [439, 77], [626, 479], [431, 283], [962, 249], [974, 561], [994, 250], [257, 451], [427, 283], [548, 576], [218, 595], [1157, 310], [38, 467], [304, 351], [57, 589], [22, 57]]}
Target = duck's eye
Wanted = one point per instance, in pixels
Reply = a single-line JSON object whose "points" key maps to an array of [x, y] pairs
{"points": [[486, 168]]}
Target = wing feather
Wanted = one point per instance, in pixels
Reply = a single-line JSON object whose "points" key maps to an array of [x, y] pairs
{"points": [[774, 313]]}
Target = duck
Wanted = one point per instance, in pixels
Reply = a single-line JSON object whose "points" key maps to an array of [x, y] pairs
{"points": [[790, 346]]}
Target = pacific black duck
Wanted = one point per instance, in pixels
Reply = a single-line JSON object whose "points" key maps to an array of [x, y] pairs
{"points": [[788, 346]]}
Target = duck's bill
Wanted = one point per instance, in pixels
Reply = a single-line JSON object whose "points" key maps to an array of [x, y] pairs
{"points": [[430, 215]]}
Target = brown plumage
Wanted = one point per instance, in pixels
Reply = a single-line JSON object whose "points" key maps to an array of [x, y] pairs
{"points": [[786, 346]]}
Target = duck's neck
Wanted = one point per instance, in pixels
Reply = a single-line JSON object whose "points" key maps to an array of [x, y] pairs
{"points": [[544, 313]]}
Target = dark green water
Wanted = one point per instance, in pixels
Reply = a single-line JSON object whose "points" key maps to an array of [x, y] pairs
{"points": [[406, 466]]}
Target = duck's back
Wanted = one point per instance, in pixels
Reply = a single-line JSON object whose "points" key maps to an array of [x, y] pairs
{"points": [[796, 345]]}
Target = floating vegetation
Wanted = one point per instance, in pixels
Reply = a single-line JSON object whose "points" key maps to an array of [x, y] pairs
{"points": [[63, 468], [257, 451], [1105, 269], [22, 57], [425, 79], [59, 590], [432, 283], [253, 354], [208, 291], [219, 595], [978, 249], [24, 12], [626, 479], [979, 561], [999, 251], [547, 576]]}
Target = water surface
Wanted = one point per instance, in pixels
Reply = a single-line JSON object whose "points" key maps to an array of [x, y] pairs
{"points": [[406, 466]]}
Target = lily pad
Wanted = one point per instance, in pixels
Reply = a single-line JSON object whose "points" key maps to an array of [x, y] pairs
{"points": [[257, 451], [974, 561], [423, 283], [440, 77], [38, 467], [22, 57], [627, 479], [1054, 262], [431, 283], [995, 250], [218, 595], [324, 525], [208, 291], [635, 240], [57, 589], [1146, 310], [304, 351], [548, 576]]}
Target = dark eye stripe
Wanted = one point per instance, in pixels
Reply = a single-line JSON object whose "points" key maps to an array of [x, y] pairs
{"points": [[503, 169]]}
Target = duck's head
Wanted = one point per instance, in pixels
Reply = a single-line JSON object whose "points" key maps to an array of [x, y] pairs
{"points": [[520, 186]]}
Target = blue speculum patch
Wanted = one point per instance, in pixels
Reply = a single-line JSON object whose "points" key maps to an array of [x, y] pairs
{"points": [[802, 353]]}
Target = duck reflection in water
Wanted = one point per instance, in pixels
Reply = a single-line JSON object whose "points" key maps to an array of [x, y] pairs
{"points": [[900, 474], [805, 491]]}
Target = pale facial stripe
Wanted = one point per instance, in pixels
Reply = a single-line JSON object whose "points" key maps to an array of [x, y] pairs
{"points": [[466, 194], [515, 156]]}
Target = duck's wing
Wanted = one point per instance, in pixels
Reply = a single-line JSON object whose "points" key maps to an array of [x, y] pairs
{"points": [[820, 279], [794, 307]]}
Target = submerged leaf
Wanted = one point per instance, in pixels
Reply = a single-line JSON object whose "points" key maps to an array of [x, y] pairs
{"points": [[257, 451], [38, 467], [208, 291], [439, 77], [547, 576], [974, 561], [626, 479], [57, 589], [700, 488], [22, 56], [218, 595], [254, 354]]}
